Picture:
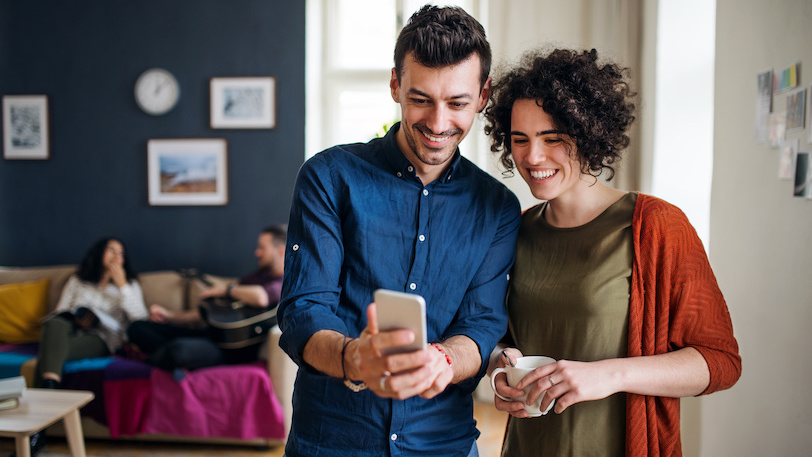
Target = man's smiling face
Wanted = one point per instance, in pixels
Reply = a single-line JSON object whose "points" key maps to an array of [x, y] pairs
{"points": [[438, 107]]}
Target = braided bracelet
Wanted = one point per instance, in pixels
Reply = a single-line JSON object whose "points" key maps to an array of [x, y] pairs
{"points": [[447, 358]]}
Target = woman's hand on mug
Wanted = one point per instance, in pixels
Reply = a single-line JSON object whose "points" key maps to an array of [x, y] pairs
{"points": [[569, 382], [515, 408], [508, 356]]}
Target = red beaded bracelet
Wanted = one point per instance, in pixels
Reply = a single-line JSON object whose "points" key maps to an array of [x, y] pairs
{"points": [[447, 358]]}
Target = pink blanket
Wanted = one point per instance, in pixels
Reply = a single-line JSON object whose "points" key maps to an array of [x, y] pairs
{"points": [[234, 401], [126, 403]]}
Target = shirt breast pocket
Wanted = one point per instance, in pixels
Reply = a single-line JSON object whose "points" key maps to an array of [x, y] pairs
{"points": [[379, 239]]}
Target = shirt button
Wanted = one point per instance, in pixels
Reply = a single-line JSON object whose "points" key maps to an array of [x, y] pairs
{"points": [[394, 436], [413, 286], [410, 168], [400, 175], [422, 237], [425, 191], [295, 247]]}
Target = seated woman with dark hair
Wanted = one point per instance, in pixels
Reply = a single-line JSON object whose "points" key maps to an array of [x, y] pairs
{"points": [[91, 318], [614, 285]]}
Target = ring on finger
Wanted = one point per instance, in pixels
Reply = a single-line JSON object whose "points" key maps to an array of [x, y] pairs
{"points": [[552, 383], [382, 382]]}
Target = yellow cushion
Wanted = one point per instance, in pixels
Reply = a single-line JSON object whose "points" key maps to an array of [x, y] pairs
{"points": [[22, 307]]}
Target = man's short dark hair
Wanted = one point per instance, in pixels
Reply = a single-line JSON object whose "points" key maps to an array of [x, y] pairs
{"points": [[441, 37], [279, 233]]}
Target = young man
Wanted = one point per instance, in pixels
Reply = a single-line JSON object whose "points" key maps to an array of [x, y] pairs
{"points": [[404, 212], [176, 339]]}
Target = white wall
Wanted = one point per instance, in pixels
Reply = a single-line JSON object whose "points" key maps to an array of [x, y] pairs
{"points": [[761, 240]]}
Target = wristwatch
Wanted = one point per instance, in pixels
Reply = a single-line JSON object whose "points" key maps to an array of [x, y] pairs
{"points": [[229, 288]]}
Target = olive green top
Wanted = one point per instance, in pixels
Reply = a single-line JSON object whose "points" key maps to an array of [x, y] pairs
{"points": [[569, 299]]}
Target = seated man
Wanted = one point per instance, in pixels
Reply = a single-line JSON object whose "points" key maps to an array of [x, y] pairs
{"points": [[180, 340]]}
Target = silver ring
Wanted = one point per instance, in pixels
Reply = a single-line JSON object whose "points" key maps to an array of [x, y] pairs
{"points": [[382, 383], [551, 381]]}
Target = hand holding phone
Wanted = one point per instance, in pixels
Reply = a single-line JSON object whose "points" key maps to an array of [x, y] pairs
{"points": [[400, 310]]}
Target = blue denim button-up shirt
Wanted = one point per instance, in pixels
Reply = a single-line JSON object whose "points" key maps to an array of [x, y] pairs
{"points": [[362, 220]]}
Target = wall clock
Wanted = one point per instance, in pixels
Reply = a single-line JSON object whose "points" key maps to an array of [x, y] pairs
{"points": [[156, 91]]}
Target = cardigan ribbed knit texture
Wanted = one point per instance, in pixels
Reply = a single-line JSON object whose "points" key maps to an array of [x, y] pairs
{"points": [[675, 303]]}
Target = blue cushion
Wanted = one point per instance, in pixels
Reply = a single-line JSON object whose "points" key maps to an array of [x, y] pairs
{"points": [[10, 363]]}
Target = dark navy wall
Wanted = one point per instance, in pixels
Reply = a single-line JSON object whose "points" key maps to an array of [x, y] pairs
{"points": [[86, 56]]}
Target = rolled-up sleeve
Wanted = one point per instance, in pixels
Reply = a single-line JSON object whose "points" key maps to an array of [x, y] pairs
{"points": [[313, 258], [678, 297]]}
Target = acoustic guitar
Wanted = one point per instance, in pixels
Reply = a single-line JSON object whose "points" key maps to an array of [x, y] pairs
{"points": [[231, 323]]}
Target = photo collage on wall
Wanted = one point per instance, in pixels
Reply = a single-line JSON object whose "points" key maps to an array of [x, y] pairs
{"points": [[780, 122]]}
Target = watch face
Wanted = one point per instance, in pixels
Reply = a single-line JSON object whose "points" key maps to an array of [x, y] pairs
{"points": [[156, 91]]}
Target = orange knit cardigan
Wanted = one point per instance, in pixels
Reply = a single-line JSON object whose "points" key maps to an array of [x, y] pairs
{"points": [[675, 303]]}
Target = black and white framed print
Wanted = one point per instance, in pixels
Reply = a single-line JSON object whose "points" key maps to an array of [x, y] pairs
{"points": [[243, 103], [25, 127]]}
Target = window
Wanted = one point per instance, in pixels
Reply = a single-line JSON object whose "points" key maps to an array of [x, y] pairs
{"points": [[683, 116], [350, 46]]}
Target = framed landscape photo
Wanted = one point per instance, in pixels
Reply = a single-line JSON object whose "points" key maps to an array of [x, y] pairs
{"points": [[243, 103], [25, 127], [183, 172]]}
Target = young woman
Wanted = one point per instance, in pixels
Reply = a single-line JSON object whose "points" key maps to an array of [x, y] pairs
{"points": [[614, 285], [93, 313]]}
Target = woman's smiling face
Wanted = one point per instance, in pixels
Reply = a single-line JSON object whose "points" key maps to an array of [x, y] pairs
{"points": [[545, 156]]}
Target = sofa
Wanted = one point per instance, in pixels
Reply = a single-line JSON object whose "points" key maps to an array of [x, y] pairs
{"points": [[135, 401]]}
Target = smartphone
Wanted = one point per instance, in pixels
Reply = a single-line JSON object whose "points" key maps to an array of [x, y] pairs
{"points": [[399, 310]]}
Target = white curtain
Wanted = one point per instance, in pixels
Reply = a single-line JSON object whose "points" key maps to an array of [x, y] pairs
{"points": [[613, 27]]}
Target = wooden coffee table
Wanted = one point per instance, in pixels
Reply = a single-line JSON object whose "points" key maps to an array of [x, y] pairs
{"points": [[39, 408]]}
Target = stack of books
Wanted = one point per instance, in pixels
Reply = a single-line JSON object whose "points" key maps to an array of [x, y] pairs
{"points": [[11, 389]]}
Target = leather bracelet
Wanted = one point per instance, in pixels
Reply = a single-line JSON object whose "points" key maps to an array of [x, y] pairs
{"points": [[350, 384], [347, 341], [229, 288], [447, 358]]}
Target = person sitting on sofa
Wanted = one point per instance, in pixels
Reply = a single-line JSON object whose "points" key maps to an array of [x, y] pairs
{"points": [[178, 341], [96, 305], [95, 308]]}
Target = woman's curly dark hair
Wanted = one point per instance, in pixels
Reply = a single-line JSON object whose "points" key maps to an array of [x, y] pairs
{"points": [[92, 267], [589, 100]]}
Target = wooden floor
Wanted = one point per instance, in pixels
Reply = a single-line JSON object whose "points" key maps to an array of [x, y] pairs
{"points": [[489, 421]]}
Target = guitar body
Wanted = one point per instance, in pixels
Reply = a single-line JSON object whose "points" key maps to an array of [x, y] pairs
{"points": [[233, 325]]}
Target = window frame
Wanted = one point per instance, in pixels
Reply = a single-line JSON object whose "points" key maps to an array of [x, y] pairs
{"points": [[324, 81]]}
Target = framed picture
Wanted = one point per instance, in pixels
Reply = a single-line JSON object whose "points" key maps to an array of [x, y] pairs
{"points": [[25, 127], [187, 172], [243, 103]]}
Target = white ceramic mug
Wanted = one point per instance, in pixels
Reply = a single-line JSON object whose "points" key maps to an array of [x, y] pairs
{"points": [[524, 365]]}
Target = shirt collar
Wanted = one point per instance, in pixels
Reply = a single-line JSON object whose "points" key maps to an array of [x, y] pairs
{"points": [[400, 164]]}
